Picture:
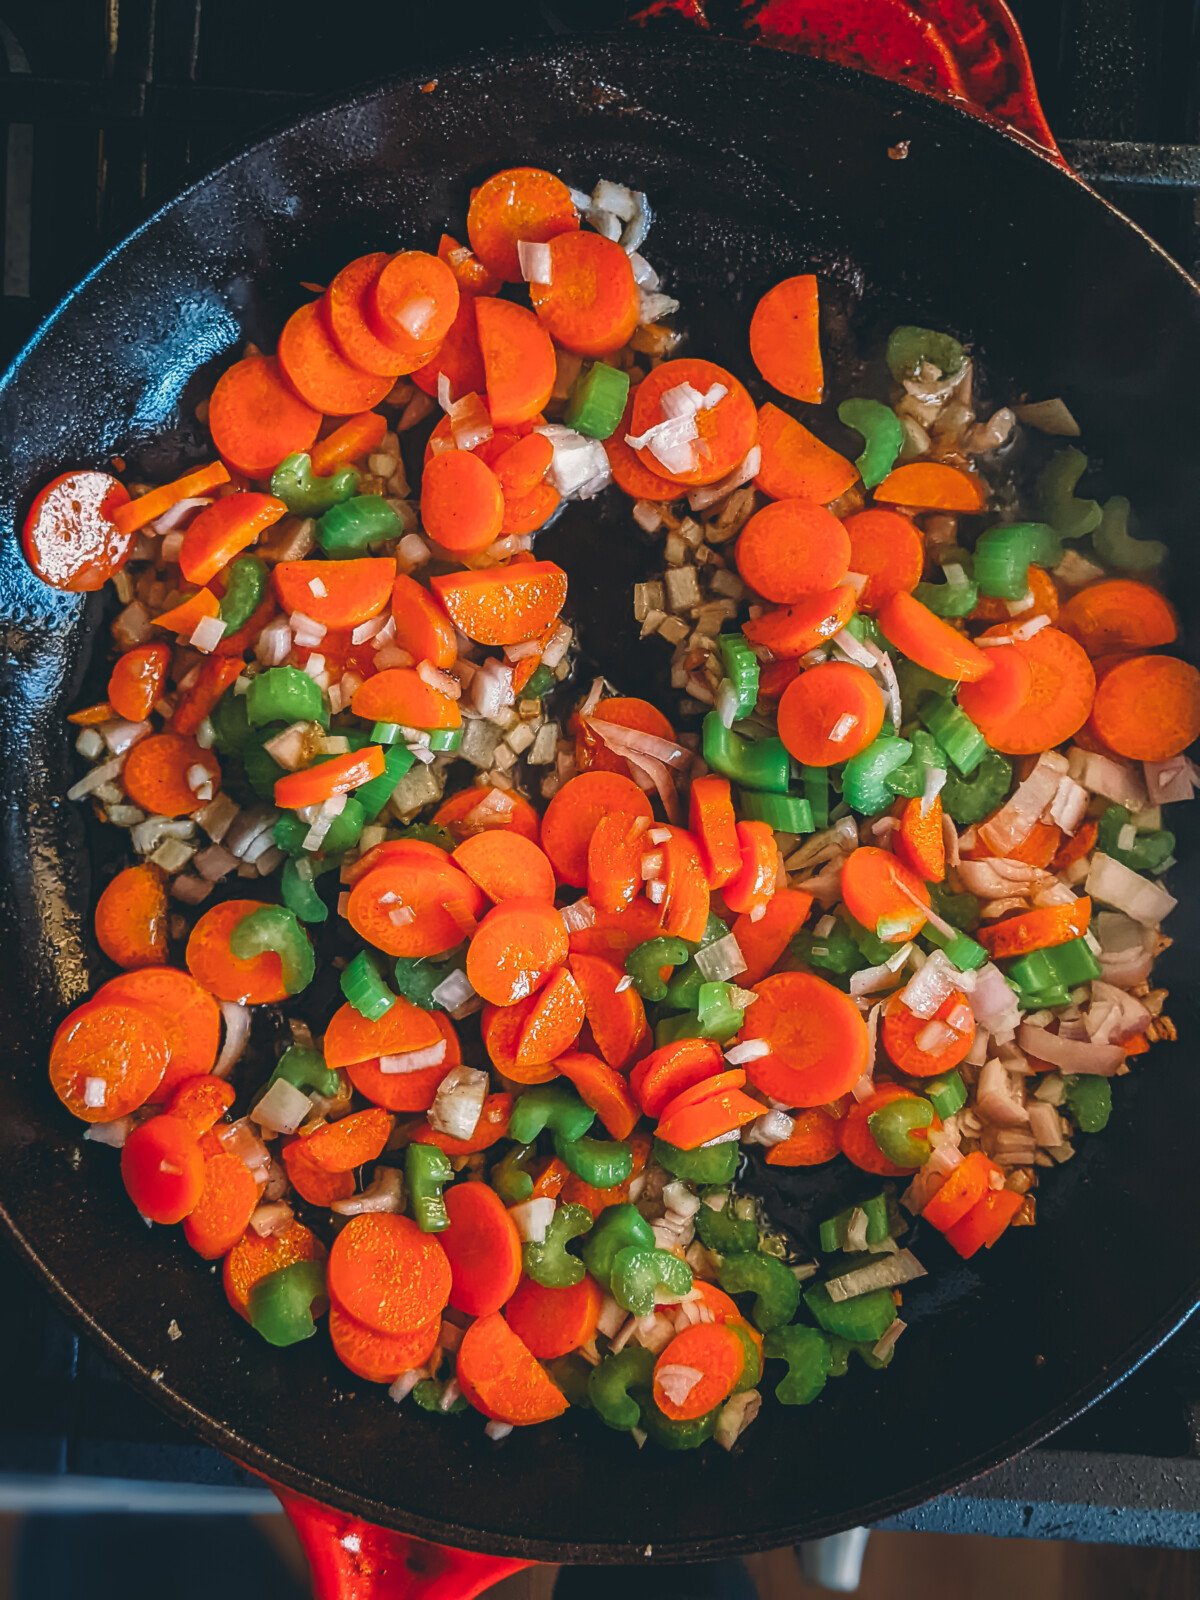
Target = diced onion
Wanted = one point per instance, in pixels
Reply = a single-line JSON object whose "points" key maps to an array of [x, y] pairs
{"points": [[282, 1108], [535, 261], [721, 960], [415, 1061]]}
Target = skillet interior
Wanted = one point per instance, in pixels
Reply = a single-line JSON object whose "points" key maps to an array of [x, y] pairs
{"points": [[973, 232]]}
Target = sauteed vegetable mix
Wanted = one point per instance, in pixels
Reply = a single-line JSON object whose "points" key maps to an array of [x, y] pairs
{"points": [[455, 991]]}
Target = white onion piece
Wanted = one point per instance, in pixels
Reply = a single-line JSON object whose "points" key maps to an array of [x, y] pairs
{"points": [[458, 1104], [870, 980], [532, 1218], [997, 1100], [1015, 820], [1170, 781], [431, 1055], [993, 1001], [237, 1030], [1118, 781], [535, 261], [1070, 1055], [1114, 884], [721, 960], [282, 1108], [929, 988]]}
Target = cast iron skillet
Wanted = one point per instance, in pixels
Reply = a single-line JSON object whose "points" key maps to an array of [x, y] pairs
{"points": [[758, 165]]}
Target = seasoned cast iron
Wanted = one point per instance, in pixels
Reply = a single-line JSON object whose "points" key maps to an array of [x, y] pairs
{"points": [[758, 165]]}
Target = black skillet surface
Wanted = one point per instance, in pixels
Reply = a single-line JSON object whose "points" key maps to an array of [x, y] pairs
{"points": [[758, 164]]}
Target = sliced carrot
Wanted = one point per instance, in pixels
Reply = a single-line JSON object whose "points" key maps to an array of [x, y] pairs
{"points": [[792, 548], [405, 1091], [505, 866], [694, 1125], [712, 825], [130, 516], [602, 1088], [186, 1012], [901, 1033], [932, 486], [686, 903], [254, 981], [1042, 601], [697, 1093], [813, 1140], [615, 853], [223, 1211], [458, 359], [795, 462], [546, 1024], [311, 1182], [201, 1102], [491, 1127], [879, 889], [114, 1052], [818, 1039], [387, 1274], [514, 949], [422, 627], [785, 342], [410, 853], [591, 303], [520, 203], [919, 842], [1059, 698], [338, 775], [380, 1357], [256, 1256], [337, 594], [470, 273], [830, 713], [351, 440], [966, 1184], [551, 1180], [483, 1248], [131, 918], [712, 1350], [218, 532], [319, 373], [1119, 614], [136, 681], [92, 716], [522, 466], [1076, 848], [616, 1016], [727, 431], [764, 941], [518, 360], [625, 711], [256, 419], [528, 512], [182, 619], [754, 883], [462, 504], [1038, 929], [630, 473], [888, 550], [443, 901], [413, 301], [1147, 708], [795, 630], [500, 1377], [350, 1141], [504, 605], [858, 1142], [665, 1073], [69, 535], [574, 813], [999, 694], [347, 311], [461, 816], [156, 774], [401, 695], [931, 641], [163, 1170], [985, 1222], [195, 703], [553, 1322]]}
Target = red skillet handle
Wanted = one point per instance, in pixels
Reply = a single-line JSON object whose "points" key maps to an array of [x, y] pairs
{"points": [[354, 1560], [965, 50]]}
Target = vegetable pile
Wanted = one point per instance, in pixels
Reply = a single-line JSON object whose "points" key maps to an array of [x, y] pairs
{"points": [[454, 999]]}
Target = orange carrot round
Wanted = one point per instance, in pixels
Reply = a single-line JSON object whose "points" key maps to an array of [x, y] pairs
{"points": [[380, 1357], [514, 949], [712, 825], [1147, 708], [901, 1032], [553, 1322], [317, 370], [460, 815], [257, 981], [665, 1073], [726, 431], [347, 311], [222, 1213], [812, 1142], [156, 774], [792, 548], [70, 535], [505, 866], [406, 1091], [547, 1024], [754, 882], [255, 1256], [505, 605], [413, 301], [256, 419], [932, 486], [697, 1093], [458, 358], [521, 466], [763, 941], [785, 341], [1059, 698], [877, 888], [422, 627], [795, 462], [136, 681], [131, 918], [830, 713], [337, 594], [1119, 614], [818, 1039], [462, 504], [338, 775], [574, 812], [163, 1170], [351, 440], [888, 550], [186, 1012], [1000, 693], [483, 1248], [350, 1141], [616, 1016], [518, 203], [709, 1348], [500, 1377], [931, 641], [218, 532], [591, 303], [795, 630], [602, 1088], [351, 1038], [443, 901], [387, 1274], [201, 1102], [470, 273], [518, 361], [112, 1053]]}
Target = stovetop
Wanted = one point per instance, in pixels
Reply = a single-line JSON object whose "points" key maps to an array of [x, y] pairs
{"points": [[108, 106]]}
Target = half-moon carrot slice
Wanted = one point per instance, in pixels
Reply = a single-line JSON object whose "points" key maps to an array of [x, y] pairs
{"points": [[380, 1357], [616, 1015], [482, 809], [255, 1256], [131, 917], [553, 1322], [520, 203], [883, 894], [483, 1248], [500, 1377], [818, 1039], [415, 908], [413, 301], [317, 370], [422, 627], [401, 695], [930, 640], [506, 866], [785, 342], [158, 772], [514, 950], [1119, 614], [458, 358], [352, 1038], [1059, 698], [337, 594], [933, 486], [505, 605], [795, 630], [603, 1088], [256, 418], [255, 981], [218, 532], [795, 462], [406, 1091], [346, 311], [518, 361]]}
